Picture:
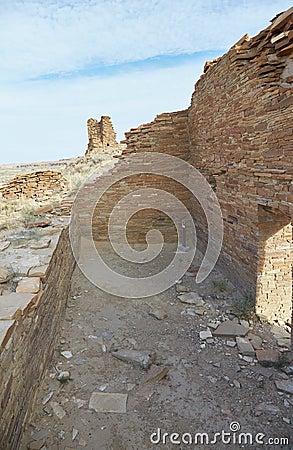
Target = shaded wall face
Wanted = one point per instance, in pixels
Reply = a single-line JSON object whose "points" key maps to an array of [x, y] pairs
{"points": [[274, 271]]}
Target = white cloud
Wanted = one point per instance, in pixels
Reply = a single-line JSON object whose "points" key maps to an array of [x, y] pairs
{"points": [[39, 37], [46, 120]]}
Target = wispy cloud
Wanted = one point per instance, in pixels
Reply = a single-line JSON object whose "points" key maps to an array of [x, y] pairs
{"points": [[63, 61], [42, 37]]}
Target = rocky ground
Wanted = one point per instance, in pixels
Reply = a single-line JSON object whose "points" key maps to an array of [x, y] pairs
{"points": [[182, 377]]}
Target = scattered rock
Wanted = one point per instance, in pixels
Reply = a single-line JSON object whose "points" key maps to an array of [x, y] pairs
{"points": [[42, 243], [286, 420], [103, 387], [212, 379], [264, 371], [5, 275], [158, 313], [39, 435], [285, 386], [156, 374], [213, 325], [206, 334], [280, 333], [237, 384], [29, 285], [248, 359], [231, 343], [74, 433], [63, 376], [268, 407], [230, 328], [58, 410], [67, 354], [255, 341], [288, 370], [43, 209], [268, 357], [79, 362], [181, 288], [108, 402], [38, 224], [191, 298], [283, 342], [244, 346], [4, 245], [47, 398], [143, 358], [38, 271]]}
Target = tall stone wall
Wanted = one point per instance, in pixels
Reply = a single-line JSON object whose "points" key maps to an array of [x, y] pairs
{"points": [[101, 135], [28, 327], [239, 135]]}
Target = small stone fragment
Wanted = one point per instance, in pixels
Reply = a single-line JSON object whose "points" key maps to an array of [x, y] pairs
{"points": [[244, 346], [237, 384], [286, 420], [158, 313], [4, 245], [42, 243], [108, 402], [283, 342], [285, 386], [143, 358], [191, 298], [268, 357], [63, 376], [255, 341], [268, 407], [67, 354], [38, 271], [205, 334], [5, 275], [47, 398], [231, 343], [58, 410], [156, 374], [43, 209], [74, 433]]}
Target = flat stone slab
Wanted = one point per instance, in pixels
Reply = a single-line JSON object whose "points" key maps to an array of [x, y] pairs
{"points": [[5, 326], [244, 346], [43, 243], [229, 328], [191, 298], [38, 271], [268, 357], [29, 285], [11, 303], [4, 245], [108, 403], [285, 386]]}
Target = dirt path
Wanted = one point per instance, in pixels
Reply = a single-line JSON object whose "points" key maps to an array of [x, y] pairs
{"points": [[207, 388]]}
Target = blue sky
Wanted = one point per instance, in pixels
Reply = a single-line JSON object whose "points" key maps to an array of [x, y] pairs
{"points": [[65, 61]]}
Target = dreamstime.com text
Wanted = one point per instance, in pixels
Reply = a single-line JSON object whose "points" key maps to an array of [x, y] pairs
{"points": [[234, 436]]}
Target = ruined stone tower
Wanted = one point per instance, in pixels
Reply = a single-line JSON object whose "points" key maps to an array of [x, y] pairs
{"points": [[101, 135]]}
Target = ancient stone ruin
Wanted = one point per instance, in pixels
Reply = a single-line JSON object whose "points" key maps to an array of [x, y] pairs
{"points": [[237, 132], [100, 135], [37, 184]]}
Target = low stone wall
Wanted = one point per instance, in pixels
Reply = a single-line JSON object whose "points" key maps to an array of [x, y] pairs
{"points": [[38, 184], [28, 327]]}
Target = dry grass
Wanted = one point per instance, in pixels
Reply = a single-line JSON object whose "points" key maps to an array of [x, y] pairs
{"points": [[17, 213]]}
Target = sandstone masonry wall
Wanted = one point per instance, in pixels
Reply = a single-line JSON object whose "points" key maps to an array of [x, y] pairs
{"points": [[28, 327], [239, 136], [38, 184]]}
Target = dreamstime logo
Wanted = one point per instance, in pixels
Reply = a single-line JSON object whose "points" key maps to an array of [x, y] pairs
{"points": [[87, 206]]}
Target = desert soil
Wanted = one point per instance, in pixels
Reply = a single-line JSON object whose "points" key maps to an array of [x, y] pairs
{"points": [[208, 385]]}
